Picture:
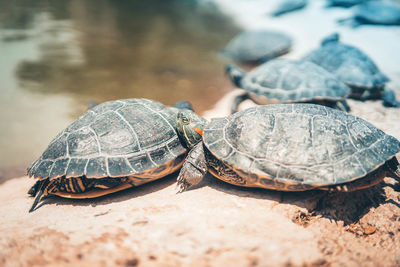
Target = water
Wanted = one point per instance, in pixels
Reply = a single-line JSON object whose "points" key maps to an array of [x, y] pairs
{"points": [[57, 56]]}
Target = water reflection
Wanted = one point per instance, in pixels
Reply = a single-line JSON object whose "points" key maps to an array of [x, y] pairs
{"points": [[56, 56]]}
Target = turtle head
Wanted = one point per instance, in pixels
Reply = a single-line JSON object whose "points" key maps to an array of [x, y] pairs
{"points": [[190, 127], [334, 37], [235, 74]]}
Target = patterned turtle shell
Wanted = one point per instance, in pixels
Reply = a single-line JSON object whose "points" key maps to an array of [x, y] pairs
{"points": [[294, 147], [348, 63], [132, 137], [288, 81]]}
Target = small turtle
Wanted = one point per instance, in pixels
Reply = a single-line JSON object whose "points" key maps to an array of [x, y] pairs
{"points": [[353, 67], [111, 147], [345, 3], [374, 12], [254, 47], [288, 81], [290, 147], [286, 6]]}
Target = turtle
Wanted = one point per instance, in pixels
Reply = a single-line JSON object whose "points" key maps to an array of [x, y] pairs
{"points": [[290, 147], [113, 146], [345, 3], [374, 12], [286, 6], [288, 81], [353, 67], [257, 46]]}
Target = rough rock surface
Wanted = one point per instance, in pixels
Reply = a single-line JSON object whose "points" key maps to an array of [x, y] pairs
{"points": [[215, 224]]}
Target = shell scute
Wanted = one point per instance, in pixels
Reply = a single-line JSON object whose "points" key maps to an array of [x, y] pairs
{"points": [[362, 135], [57, 149], [311, 110], [80, 143], [141, 162], [104, 108], [151, 127], [160, 155], [330, 140], [118, 165], [76, 167], [223, 148], [265, 168], [59, 168], [96, 167], [213, 135], [43, 168], [82, 121], [114, 136]]}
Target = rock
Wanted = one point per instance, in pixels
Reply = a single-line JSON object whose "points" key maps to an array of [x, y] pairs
{"points": [[215, 224]]}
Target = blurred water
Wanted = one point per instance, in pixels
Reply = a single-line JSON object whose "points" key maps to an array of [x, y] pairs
{"points": [[56, 56]]}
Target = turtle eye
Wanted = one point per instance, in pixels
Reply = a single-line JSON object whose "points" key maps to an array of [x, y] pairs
{"points": [[185, 120]]}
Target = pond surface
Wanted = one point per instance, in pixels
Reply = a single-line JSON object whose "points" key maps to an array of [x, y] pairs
{"points": [[58, 56]]}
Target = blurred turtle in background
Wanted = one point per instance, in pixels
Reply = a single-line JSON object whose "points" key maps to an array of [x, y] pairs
{"points": [[288, 81], [255, 47], [353, 67], [374, 12]]}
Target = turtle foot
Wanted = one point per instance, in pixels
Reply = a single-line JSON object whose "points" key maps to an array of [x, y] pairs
{"points": [[193, 170], [389, 99]]}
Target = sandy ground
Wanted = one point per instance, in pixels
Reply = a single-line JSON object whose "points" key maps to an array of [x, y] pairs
{"points": [[215, 224]]}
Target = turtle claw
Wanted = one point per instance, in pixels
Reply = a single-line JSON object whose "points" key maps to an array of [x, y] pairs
{"points": [[181, 187], [181, 183]]}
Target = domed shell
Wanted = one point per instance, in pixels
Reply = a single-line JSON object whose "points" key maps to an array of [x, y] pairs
{"points": [[348, 63], [299, 144], [257, 46], [113, 139], [287, 81]]}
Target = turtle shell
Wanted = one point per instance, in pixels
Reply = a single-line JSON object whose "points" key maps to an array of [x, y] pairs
{"points": [[288, 81], [302, 145], [132, 137], [378, 12], [349, 64], [257, 46]]}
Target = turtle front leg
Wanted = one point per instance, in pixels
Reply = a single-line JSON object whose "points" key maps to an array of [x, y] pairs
{"points": [[393, 168], [342, 105], [389, 99], [194, 168]]}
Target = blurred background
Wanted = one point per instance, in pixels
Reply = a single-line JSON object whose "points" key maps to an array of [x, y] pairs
{"points": [[58, 56]]}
